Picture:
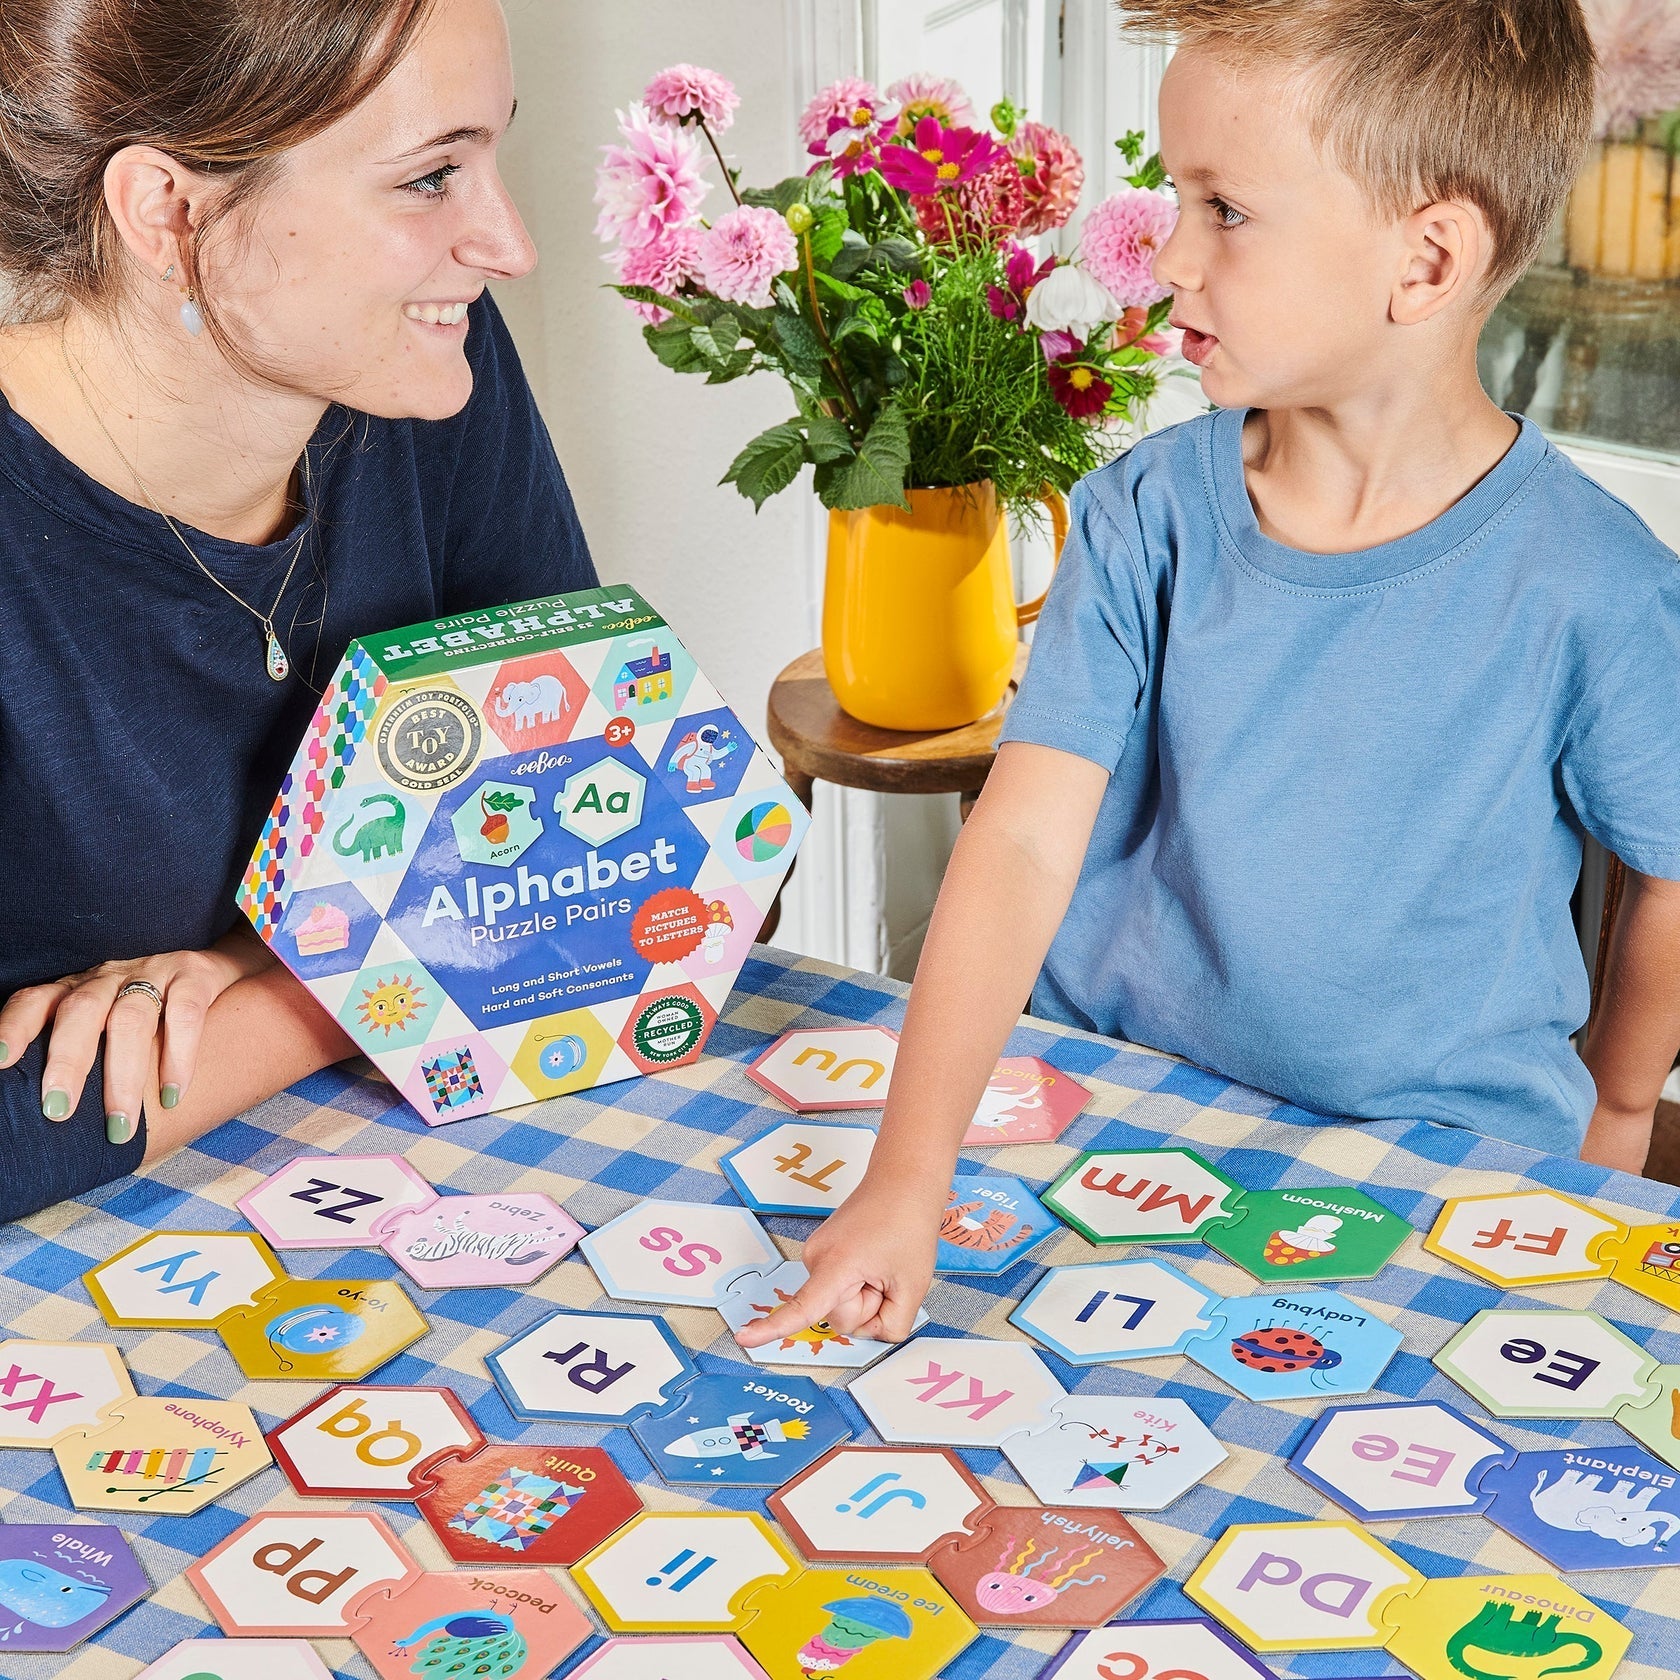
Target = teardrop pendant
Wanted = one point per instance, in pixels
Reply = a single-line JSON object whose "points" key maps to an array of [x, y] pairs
{"points": [[279, 667]]}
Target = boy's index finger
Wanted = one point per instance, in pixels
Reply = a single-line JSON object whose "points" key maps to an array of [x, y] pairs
{"points": [[812, 1302]]}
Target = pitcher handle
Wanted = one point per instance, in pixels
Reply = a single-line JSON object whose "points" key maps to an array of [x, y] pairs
{"points": [[1027, 612]]}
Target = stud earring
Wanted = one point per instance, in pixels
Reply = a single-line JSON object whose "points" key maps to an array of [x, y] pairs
{"points": [[169, 273]]}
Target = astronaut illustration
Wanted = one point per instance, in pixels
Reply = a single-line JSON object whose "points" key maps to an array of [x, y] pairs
{"points": [[697, 752]]}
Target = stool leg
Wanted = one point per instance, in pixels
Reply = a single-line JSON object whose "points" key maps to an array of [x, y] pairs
{"points": [[966, 802], [802, 787]]}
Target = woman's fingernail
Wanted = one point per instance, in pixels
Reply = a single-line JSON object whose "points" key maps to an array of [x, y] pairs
{"points": [[118, 1128], [4, 1052], [170, 1095], [55, 1105]]}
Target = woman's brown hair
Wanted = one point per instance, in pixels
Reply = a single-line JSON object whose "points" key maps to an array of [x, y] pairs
{"points": [[224, 86]]}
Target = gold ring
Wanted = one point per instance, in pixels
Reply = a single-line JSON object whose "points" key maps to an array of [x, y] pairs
{"points": [[142, 988]]}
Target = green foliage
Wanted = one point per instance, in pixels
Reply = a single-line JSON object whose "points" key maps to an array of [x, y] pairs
{"points": [[875, 474], [770, 463], [501, 801]]}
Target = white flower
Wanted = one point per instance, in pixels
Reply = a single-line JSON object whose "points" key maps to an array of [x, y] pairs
{"points": [[1069, 300]]}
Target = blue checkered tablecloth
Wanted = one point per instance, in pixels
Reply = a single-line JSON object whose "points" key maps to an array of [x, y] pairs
{"points": [[599, 1151]]}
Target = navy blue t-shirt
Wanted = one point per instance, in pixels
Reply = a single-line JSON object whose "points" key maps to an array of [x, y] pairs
{"points": [[141, 739]]}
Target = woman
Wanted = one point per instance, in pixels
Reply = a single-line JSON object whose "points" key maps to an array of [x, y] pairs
{"points": [[255, 403]]}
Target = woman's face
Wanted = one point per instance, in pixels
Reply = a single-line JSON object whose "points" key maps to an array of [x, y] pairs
{"points": [[352, 270]]}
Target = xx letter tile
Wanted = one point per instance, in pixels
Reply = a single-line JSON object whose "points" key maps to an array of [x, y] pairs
{"points": [[989, 1223], [1295, 1346], [1156, 1650], [60, 1584], [1590, 1507], [324, 1329], [1534, 1362], [1310, 1236], [695, 1656], [960, 1393], [680, 1253], [755, 1295], [1025, 1101], [1121, 1309], [499, 1241], [159, 1455], [218, 1659], [332, 1201], [1526, 1236], [49, 1390], [365, 1441], [1142, 1195], [818, 1068], [183, 1280], [800, 1166], [574, 1367]]}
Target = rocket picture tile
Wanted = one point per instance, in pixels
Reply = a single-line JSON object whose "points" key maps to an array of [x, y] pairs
{"points": [[1173, 1649], [1031, 1566], [1297, 1345], [1142, 1195], [755, 1295], [546, 1505], [1522, 1237], [1301, 1586], [941, 1391], [800, 1166], [1316, 1235], [665, 1656], [371, 1441], [814, 1069], [333, 1201], [990, 1222], [741, 1428], [183, 1280], [1026, 1100], [677, 1253], [161, 1456], [1404, 1458], [228, 1659], [50, 1390], [1590, 1507], [1547, 1363], [1115, 1452], [59, 1583], [323, 1329], [878, 1504], [510, 1624], [589, 1367], [1118, 1309], [295, 1573], [492, 1241]]}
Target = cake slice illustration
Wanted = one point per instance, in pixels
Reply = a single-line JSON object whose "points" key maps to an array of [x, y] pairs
{"points": [[325, 929]]}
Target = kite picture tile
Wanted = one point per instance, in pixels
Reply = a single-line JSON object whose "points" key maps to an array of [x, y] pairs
{"points": [[800, 1166], [819, 1346], [590, 1367], [1547, 1363], [678, 1253], [162, 1456], [818, 1069], [57, 1389], [1590, 1507], [1172, 1649], [228, 1659], [371, 1441], [1317, 1235], [1523, 1237], [940, 1391], [61, 1583], [1026, 1100], [1118, 1309], [1142, 1195], [183, 1280], [667, 1656], [1296, 1346], [503, 1241], [323, 1329], [990, 1222], [333, 1201]]}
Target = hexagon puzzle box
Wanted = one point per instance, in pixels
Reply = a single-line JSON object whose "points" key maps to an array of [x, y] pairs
{"points": [[522, 852]]}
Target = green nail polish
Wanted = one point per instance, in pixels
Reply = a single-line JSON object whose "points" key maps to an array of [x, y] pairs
{"points": [[55, 1105], [118, 1128], [170, 1095], [4, 1052]]}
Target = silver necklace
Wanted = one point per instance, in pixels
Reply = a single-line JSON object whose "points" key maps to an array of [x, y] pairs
{"points": [[275, 662]]}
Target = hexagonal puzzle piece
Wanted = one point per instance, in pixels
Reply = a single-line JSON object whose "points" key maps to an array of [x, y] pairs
{"points": [[1032, 1566], [1171, 1649], [287, 1572], [1305, 1586], [545, 1505], [574, 1367], [799, 1166], [513, 1621], [323, 1329], [332, 1201], [491, 1241], [1547, 1363], [1648, 1260], [216, 1659], [369, 1441], [61, 1583], [1115, 1453], [1122, 1309], [990, 1222], [881, 1504], [1655, 1420], [1306, 1236], [695, 1656], [1589, 1507], [1295, 1346], [739, 1428], [1400, 1458], [825, 1618], [1025, 1101], [755, 1295], [680, 1253], [681, 1571], [152, 1454], [814, 1069], [1523, 1236], [183, 1280], [959, 1393], [1142, 1195], [52, 1390], [1484, 1622]]}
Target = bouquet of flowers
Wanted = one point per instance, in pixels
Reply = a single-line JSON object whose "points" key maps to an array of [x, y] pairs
{"points": [[894, 287]]}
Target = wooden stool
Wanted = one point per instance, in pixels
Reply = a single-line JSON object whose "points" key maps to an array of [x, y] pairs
{"points": [[819, 742]]}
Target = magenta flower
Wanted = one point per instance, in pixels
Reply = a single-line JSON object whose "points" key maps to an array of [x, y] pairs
{"points": [[1021, 272], [940, 160], [666, 264], [838, 99], [1059, 345], [1052, 173], [739, 256], [651, 184], [926, 95], [852, 143], [1081, 390], [686, 93], [918, 294], [1121, 239]]}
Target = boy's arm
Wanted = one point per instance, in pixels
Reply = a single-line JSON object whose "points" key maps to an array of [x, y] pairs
{"points": [[1007, 888], [1632, 1042]]}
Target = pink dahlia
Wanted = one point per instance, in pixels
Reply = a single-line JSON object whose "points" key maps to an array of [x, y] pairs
{"points": [[939, 159], [1081, 390], [666, 264], [1638, 45], [926, 95], [838, 99], [1052, 173], [686, 93], [985, 210], [739, 256], [651, 184], [1122, 238]]}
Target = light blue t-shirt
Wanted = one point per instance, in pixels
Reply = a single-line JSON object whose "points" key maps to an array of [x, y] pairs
{"points": [[1348, 792]]}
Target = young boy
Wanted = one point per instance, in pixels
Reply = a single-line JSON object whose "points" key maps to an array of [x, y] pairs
{"points": [[1332, 681]]}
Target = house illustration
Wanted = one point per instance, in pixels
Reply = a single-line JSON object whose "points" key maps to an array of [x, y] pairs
{"points": [[642, 682]]}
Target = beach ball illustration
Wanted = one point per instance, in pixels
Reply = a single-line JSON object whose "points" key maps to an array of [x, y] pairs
{"points": [[763, 831]]}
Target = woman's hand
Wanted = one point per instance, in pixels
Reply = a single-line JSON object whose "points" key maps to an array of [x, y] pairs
{"points": [[871, 1262], [83, 1008]]}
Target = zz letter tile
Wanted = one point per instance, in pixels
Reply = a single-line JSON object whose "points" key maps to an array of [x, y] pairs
{"points": [[332, 1201]]}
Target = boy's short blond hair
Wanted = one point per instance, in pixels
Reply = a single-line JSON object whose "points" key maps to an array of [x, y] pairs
{"points": [[1487, 101]]}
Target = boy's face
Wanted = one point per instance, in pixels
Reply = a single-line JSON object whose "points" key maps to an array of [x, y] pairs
{"points": [[1281, 268]]}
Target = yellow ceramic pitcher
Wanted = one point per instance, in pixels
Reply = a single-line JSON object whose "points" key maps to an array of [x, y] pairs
{"points": [[920, 623]]}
